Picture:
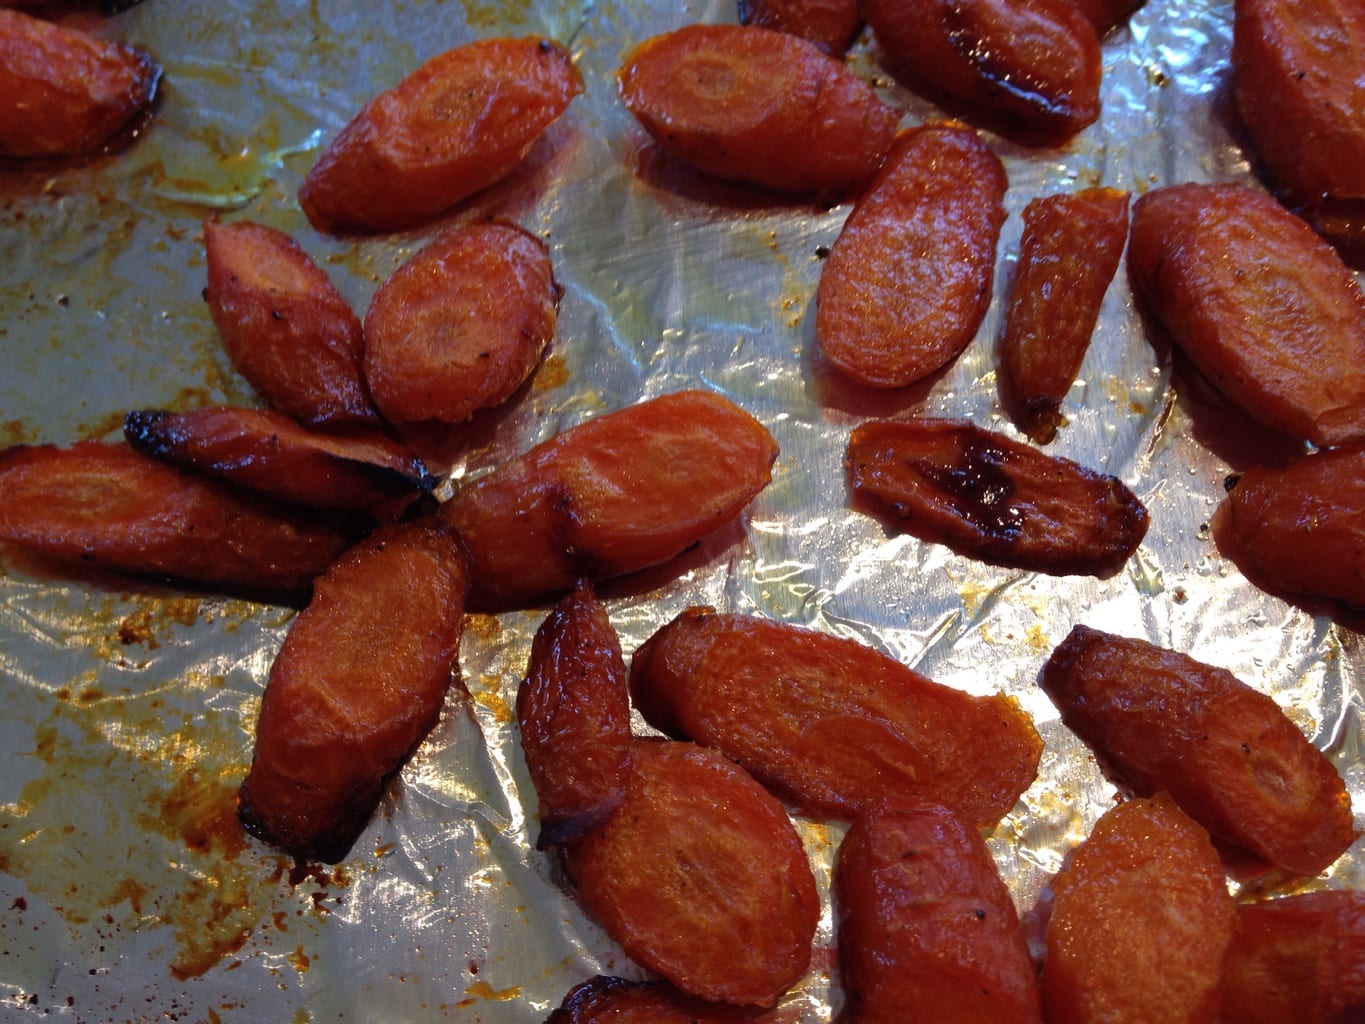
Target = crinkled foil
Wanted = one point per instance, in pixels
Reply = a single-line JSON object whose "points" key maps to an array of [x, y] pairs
{"points": [[127, 890]]}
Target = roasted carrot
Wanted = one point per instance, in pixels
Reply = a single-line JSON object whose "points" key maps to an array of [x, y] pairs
{"points": [[284, 325], [461, 325], [607, 1000], [990, 497], [829, 724], [64, 92], [1225, 752], [109, 506], [908, 281], [1263, 307], [758, 106], [356, 686], [460, 122], [925, 921], [267, 452], [701, 877], [829, 24], [1068, 254], [610, 496], [574, 714], [1141, 919]]}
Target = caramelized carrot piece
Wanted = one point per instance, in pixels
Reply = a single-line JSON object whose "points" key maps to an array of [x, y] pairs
{"points": [[1225, 752], [1068, 254], [461, 122], [701, 877], [925, 922], [829, 24], [284, 325], [357, 685], [1026, 68], [267, 452], [1300, 530], [1141, 919], [610, 496], [1298, 960], [908, 281], [829, 724], [758, 106], [605, 1000], [1262, 306], [989, 497], [64, 92], [107, 505], [1297, 68], [461, 325], [574, 715]]}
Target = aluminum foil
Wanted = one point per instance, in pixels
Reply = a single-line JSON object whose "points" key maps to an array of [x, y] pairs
{"points": [[127, 891]]}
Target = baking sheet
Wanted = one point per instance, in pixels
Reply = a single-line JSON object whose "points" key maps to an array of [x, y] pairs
{"points": [[127, 891]]}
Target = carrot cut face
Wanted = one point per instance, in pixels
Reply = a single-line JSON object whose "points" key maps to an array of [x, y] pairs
{"points": [[574, 713], [356, 686], [829, 24], [461, 325], [616, 494], [66, 93], [701, 877], [990, 497], [606, 1000], [925, 921], [1263, 307], [1068, 254], [284, 325], [758, 106], [908, 281], [461, 122], [1141, 920], [830, 724]]}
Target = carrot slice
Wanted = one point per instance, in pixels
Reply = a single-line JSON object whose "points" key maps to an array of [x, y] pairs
{"points": [[829, 24], [1225, 752], [1297, 73], [462, 121], [926, 922], [992, 498], [269, 453], [1263, 307], [701, 877], [606, 1000], [64, 92], [908, 281], [574, 715], [357, 685], [1141, 919], [109, 506], [830, 724], [610, 496], [758, 106], [461, 325], [1068, 254], [284, 325]]}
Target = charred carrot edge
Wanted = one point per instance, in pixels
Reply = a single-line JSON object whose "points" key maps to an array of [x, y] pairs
{"points": [[605, 999]]}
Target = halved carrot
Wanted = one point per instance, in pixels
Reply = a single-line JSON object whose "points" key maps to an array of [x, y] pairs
{"points": [[1263, 307], [908, 281], [64, 92], [462, 121], [1068, 254], [830, 724], [925, 921], [758, 106], [109, 506], [829, 24], [284, 325], [701, 877], [618, 493], [574, 715], [357, 685], [1141, 919], [461, 325], [990, 497], [267, 452], [1225, 752], [607, 1000]]}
